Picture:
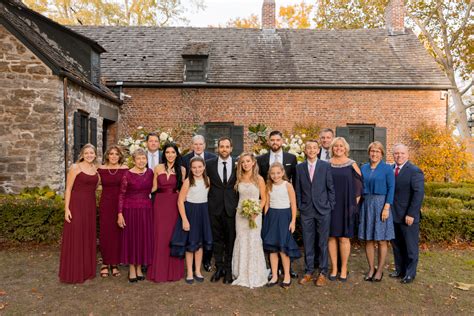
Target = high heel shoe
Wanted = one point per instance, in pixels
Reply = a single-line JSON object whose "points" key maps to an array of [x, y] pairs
{"points": [[284, 285], [344, 279], [140, 277], [272, 284], [378, 280], [132, 280], [371, 277]]}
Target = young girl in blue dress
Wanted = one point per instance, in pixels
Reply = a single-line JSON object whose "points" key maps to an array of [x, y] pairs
{"points": [[279, 224], [193, 229]]}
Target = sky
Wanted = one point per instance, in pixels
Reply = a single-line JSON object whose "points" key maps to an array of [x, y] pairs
{"points": [[220, 11]]}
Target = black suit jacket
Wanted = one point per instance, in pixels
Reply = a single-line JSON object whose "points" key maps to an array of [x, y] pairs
{"points": [[289, 162], [409, 193], [221, 198], [187, 159], [319, 194]]}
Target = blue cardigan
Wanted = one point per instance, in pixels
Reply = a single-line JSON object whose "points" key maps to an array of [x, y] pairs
{"points": [[382, 181]]}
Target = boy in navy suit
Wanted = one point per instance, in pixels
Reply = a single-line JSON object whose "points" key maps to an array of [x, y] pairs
{"points": [[408, 198], [315, 198]]}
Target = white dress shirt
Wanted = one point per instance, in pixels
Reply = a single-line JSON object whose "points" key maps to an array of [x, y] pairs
{"points": [[153, 159], [199, 155], [399, 167], [274, 155], [324, 154], [220, 167]]}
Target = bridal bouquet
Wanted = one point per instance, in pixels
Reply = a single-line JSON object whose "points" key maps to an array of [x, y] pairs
{"points": [[249, 209]]}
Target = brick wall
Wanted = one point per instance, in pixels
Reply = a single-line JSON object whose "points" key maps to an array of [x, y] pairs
{"points": [[397, 110]]}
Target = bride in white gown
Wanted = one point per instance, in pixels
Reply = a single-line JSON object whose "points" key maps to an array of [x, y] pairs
{"points": [[248, 261]]}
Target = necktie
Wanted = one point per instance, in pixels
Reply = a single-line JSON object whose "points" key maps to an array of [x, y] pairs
{"points": [[327, 155], [153, 161], [397, 170], [311, 171], [276, 158], [224, 176]]}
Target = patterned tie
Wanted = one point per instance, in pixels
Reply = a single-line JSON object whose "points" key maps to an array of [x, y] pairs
{"points": [[397, 170], [276, 158], [224, 176], [311, 171], [153, 161], [327, 155]]}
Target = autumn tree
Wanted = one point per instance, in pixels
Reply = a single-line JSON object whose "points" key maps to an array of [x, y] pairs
{"points": [[440, 155], [444, 27], [297, 16], [115, 12]]}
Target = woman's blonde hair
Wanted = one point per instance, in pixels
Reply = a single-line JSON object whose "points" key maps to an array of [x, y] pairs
{"points": [[119, 152], [254, 173], [344, 143], [377, 145], [83, 149], [269, 183]]}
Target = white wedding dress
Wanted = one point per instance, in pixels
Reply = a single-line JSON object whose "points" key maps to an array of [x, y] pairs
{"points": [[248, 261]]}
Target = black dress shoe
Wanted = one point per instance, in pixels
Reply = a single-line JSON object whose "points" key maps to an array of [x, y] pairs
{"points": [[207, 266], [217, 275], [293, 274], [396, 274], [407, 279], [228, 278]]}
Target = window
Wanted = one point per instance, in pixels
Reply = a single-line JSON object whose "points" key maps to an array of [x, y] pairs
{"points": [[359, 137], [85, 131], [214, 131], [95, 67], [195, 69]]}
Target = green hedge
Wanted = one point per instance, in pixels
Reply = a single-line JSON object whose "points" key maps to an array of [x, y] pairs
{"points": [[35, 216], [447, 225]]}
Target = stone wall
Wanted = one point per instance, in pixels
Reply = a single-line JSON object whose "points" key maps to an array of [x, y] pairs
{"points": [[32, 119], [31, 110], [397, 110]]}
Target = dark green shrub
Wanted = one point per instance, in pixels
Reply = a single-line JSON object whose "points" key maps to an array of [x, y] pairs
{"points": [[447, 225], [431, 187], [437, 202], [35, 215], [463, 193]]}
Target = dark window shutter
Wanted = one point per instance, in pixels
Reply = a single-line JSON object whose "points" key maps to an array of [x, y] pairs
{"points": [[342, 131], [93, 131], [77, 135], [237, 140], [380, 134]]}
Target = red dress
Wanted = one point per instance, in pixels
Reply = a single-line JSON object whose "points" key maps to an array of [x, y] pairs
{"points": [[165, 268], [110, 234], [78, 246]]}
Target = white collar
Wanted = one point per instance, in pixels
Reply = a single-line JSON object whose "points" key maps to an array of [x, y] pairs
{"points": [[220, 160], [400, 167]]}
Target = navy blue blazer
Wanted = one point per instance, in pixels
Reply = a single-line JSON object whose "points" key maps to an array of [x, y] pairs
{"points": [[187, 159], [318, 194], [409, 193]]}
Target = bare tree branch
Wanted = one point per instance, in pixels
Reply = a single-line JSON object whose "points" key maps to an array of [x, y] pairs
{"points": [[466, 88], [422, 25], [456, 34]]}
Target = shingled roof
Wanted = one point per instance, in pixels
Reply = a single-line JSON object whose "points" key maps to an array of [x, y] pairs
{"points": [[287, 57], [15, 17]]}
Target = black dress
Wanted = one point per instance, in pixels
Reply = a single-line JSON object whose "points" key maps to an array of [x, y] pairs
{"points": [[348, 185]]}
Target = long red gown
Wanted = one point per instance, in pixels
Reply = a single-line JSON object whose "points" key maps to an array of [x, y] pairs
{"points": [[165, 268], [110, 234], [78, 247]]}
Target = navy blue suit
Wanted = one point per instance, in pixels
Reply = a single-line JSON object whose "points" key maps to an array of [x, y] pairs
{"points": [[408, 198], [315, 200]]}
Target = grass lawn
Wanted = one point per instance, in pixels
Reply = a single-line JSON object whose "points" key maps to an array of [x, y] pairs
{"points": [[29, 285]]}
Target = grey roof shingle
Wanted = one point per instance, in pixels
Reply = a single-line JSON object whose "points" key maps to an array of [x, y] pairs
{"points": [[253, 56]]}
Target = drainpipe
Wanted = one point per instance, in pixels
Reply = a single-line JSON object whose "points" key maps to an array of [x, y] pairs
{"points": [[65, 120]]}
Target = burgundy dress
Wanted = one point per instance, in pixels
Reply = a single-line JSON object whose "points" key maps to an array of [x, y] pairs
{"points": [[110, 239], [78, 247], [135, 204], [165, 212]]}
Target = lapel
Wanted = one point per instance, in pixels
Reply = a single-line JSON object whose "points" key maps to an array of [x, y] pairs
{"points": [[266, 159], [403, 171], [305, 170], [316, 169]]}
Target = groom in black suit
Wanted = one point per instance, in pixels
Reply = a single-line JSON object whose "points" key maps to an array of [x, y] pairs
{"points": [[222, 201]]}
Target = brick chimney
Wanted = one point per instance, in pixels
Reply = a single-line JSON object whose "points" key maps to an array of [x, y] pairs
{"points": [[395, 17], [268, 14]]}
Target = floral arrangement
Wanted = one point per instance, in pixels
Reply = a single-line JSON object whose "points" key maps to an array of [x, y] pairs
{"points": [[294, 144], [138, 140], [249, 209], [258, 134]]}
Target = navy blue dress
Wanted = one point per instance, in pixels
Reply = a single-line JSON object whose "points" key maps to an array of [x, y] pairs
{"points": [[348, 186]]}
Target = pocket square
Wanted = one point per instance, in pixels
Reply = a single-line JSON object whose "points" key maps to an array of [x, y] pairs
{"points": [[288, 164]]}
